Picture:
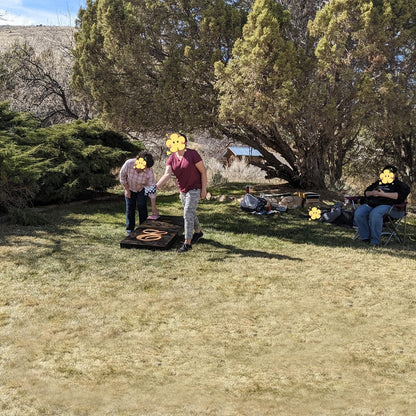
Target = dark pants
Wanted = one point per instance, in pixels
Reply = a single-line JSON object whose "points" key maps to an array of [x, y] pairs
{"points": [[137, 200]]}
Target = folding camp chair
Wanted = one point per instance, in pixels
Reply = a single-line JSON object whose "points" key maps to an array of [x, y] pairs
{"points": [[391, 224]]}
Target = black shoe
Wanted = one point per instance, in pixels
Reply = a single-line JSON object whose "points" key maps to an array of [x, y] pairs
{"points": [[196, 237], [184, 247]]}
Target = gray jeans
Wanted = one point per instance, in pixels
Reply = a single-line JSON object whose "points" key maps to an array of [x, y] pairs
{"points": [[190, 202]]}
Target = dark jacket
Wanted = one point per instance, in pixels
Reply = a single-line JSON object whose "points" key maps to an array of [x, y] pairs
{"points": [[397, 186]]}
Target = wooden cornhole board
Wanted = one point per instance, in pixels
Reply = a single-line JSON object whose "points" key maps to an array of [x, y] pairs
{"points": [[153, 234]]}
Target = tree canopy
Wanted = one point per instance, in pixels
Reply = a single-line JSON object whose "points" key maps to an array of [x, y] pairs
{"points": [[371, 46], [149, 64], [299, 81]]}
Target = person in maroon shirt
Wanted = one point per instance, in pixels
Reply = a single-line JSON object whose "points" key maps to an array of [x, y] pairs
{"points": [[191, 176]]}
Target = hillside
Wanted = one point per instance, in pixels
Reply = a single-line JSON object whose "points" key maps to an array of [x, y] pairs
{"points": [[40, 37]]}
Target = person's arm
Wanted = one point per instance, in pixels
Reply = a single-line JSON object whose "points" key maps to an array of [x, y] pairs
{"points": [[380, 193], [153, 202], [166, 176], [202, 170], [375, 190], [124, 180]]}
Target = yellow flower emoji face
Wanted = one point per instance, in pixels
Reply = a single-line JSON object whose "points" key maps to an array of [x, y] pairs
{"points": [[387, 176], [314, 214], [140, 164], [175, 142]]}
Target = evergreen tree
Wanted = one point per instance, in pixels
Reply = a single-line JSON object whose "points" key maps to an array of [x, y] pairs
{"points": [[58, 163], [82, 157], [274, 99], [20, 168], [149, 64], [370, 46]]}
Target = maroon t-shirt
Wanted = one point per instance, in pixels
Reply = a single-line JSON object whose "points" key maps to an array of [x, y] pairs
{"points": [[187, 175]]}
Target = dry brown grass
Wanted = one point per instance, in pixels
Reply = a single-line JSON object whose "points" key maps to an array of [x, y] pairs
{"points": [[40, 37], [267, 316]]}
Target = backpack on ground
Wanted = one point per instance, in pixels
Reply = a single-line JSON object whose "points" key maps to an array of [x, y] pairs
{"points": [[252, 203]]}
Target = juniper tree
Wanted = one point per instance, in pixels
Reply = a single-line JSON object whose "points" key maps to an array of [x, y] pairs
{"points": [[274, 99], [370, 45], [149, 64], [20, 168]]}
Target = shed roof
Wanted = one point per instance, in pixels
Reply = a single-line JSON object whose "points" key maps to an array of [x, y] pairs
{"points": [[245, 151]]}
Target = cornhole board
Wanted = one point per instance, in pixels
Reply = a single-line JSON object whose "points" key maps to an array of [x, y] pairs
{"points": [[153, 234]]}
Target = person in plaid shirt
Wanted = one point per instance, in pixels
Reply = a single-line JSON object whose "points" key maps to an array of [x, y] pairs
{"points": [[138, 180]]}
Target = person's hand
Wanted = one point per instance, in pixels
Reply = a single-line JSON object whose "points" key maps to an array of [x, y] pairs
{"points": [[203, 193], [127, 193]]}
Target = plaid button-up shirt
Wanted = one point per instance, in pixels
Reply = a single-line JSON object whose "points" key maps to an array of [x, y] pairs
{"points": [[134, 179]]}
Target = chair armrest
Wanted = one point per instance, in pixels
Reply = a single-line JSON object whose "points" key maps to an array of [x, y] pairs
{"points": [[400, 207]]}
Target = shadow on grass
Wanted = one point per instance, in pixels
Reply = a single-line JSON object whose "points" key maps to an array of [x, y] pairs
{"points": [[295, 227], [233, 250]]}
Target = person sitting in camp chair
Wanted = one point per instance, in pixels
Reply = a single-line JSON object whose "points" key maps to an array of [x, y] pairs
{"points": [[379, 198]]}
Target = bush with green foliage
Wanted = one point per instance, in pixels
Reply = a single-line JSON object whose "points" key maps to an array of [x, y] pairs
{"points": [[20, 168], [82, 157], [58, 163]]}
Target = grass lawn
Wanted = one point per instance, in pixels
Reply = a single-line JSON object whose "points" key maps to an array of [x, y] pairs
{"points": [[267, 315]]}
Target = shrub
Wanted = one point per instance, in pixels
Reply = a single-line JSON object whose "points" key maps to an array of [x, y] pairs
{"points": [[20, 168], [58, 163], [82, 157]]}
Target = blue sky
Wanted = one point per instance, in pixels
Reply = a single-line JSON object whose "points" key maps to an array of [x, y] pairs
{"points": [[39, 12]]}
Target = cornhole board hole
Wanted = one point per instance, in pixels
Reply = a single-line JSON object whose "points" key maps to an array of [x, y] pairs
{"points": [[153, 234]]}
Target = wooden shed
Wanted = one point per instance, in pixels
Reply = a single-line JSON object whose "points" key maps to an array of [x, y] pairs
{"points": [[240, 152]]}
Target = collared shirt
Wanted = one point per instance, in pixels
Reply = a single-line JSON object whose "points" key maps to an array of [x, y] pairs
{"points": [[134, 179]]}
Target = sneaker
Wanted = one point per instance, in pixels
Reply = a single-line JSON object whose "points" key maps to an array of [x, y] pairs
{"points": [[196, 237], [128, 232], [184, 247]]}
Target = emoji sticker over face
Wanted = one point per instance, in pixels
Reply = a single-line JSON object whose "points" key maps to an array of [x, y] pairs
{"points": [[175, 142], [140, 164], [314, 214], [387, 176]]}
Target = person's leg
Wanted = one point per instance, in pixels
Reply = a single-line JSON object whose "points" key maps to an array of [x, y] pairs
{"points": [[376, 222], [131, 212], [141, 204], [361, 217], [190, 202]]}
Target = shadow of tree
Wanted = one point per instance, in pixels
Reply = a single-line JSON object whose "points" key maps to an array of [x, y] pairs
{"points": [[233, 250], [293, 226]]}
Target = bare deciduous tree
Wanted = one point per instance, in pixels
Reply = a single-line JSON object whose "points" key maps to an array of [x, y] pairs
{"points": [[39, 82]]}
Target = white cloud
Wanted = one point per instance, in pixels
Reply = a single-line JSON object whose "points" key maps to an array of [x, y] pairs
{"points": [[14, 20], [15, 15]]}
